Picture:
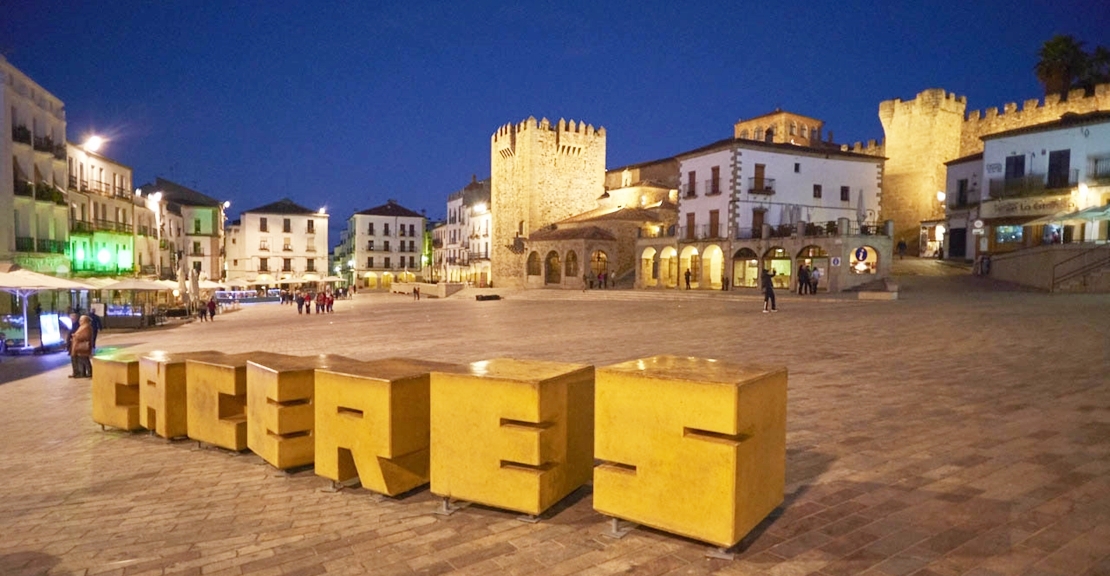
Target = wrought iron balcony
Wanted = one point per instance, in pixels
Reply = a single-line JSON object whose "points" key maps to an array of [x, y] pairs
{"points": [[50, 246], [21, 134], [761, 185], [24, 244], [712, 187], [80, 227]]}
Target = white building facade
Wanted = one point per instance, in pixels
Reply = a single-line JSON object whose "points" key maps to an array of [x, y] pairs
{"points": [[33, 207], [388, 243], [1020, 192], [746, 205], [279, 243]]}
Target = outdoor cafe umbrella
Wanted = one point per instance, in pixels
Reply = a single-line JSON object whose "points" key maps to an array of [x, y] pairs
{"points": [[23, 283]]}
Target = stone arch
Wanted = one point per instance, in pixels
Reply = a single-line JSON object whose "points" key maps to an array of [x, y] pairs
{"points": [[533, 266], [690, 259], [778, 259], [805, 131], [649, 267], [552, 268], [769, 135], [793, 128], [744, 134], [599, 262], [745, 268], [713, 267], [864, 260], [387, 280], [668, 267], [571, 264], [370, 280], [817, 258]]}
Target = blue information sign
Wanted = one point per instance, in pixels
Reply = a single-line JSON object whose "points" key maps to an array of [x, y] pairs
{"points": [[861, 253]]}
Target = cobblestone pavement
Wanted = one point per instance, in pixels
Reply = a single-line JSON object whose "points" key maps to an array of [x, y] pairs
{"points": [[963, 429]]}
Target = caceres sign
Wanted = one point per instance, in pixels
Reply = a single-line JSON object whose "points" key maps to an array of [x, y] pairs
{"points": [[1042, 206]]}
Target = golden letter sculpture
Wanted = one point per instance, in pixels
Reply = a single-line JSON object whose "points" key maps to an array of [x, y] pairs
{"points": [[115, 391], [216, 390], [513, 434], [372, 422], [162, 405], [690, 446], [279, 407]]}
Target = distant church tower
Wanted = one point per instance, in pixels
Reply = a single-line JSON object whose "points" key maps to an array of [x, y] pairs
{"points": [[540, 173]]}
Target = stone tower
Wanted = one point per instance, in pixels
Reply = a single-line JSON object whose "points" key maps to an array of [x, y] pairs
{"points": [[540, 173], [921, 135]]}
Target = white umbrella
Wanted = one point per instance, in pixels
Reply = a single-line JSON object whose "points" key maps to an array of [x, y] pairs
{"points": [[331, 279], [861, 212], [194, 284], [210, 285], [182, 276], [23, 283], [136, 284]]}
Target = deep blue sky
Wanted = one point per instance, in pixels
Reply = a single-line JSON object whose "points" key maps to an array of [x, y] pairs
{"points": [[350, 104]]}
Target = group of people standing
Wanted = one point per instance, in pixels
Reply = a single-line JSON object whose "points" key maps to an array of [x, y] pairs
{"points": [[808, 279], [323, 301]]}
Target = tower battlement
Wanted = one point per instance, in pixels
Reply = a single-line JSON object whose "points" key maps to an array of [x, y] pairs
{"points": [[541, 172], [979, 123]]}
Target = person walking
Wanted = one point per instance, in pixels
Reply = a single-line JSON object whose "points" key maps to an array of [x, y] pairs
{"points": [[202, 312], [211, 309], [814, 279], [80, 349], [300, 303], [74, 324], [688, 275], [901, 249], [768, 291], [94, 322], [585, 281], [803, 279]]}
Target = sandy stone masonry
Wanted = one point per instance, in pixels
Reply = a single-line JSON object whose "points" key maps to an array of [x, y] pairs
{"points": [[540, 173]]}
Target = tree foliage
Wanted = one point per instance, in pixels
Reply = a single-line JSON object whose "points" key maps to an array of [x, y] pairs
{"points": [[1064, 65]]}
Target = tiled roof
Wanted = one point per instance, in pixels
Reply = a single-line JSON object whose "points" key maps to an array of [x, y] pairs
{"points": [[283, 206], [390, 208], [583, 233]]}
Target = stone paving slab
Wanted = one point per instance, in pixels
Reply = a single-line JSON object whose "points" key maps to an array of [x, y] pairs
{"points": [[958, 430]]}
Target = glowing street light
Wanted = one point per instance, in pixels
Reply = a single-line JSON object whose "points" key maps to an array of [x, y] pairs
{"points": [[93, 143]]}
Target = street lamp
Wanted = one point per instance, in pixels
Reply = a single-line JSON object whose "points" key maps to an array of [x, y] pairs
{"points": [[93, 143]]}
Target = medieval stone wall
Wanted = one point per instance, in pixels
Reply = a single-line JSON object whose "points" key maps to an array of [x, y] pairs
{"points": [[540, 173], [924, 133]]}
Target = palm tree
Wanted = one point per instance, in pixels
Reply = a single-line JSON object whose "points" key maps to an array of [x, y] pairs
{"points": [[1097, 69], [1062, 63]]}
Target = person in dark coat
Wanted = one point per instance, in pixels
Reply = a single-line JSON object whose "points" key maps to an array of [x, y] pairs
{"points": [[768, 291], [80, 349], [803, 279]]}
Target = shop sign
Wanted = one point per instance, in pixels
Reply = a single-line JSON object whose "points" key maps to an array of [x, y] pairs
{"points": [[1043, 206], [978, 224], [978, 231]]}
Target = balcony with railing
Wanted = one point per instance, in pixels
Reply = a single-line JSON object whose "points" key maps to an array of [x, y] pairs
{"points": [[688, 190], [50, 246], [703, 232], [1100, 172], [1034, 184], [111, 226], [80, 227], [21, 134], [23, 188], [761, 186], [46, 193], [712, 187], [24, 244], [196, 252], [479, 255]]}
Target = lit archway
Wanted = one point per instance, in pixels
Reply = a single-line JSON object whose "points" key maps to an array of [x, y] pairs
{"points": [[387, 280], [817, 259], [552, 269], [599, 262], [778, 260], [534, 264], [745, 268], [668, 267], [713, 266], [649, 267], [690, 261], [370, 280], [571, 265]]}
